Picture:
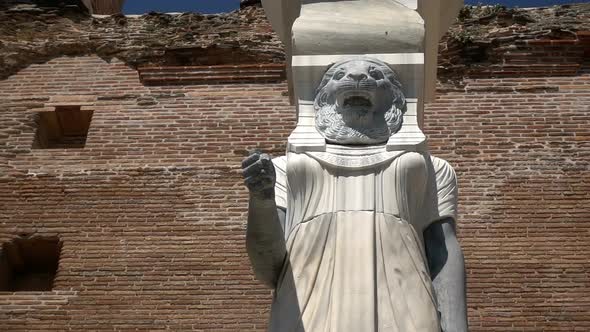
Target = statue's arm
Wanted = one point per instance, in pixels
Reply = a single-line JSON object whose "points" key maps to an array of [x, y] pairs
{"points": [[264, 235], [447, 270]]}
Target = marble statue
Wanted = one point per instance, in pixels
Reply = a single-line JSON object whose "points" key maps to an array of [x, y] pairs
{"points": [[354, 228], [359, 102], [352, 247]]}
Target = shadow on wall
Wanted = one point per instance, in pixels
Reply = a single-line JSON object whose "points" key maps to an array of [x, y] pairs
{"points": [[29, 263], [247, 3]]}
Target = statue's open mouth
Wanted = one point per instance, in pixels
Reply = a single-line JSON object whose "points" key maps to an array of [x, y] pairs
{"points": [[357, 101]]}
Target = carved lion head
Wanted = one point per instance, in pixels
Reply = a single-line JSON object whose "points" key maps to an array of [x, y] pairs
{"points": [[359, 102]]}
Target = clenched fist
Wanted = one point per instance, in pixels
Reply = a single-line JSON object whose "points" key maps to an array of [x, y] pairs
{"points": [[259, 174]]}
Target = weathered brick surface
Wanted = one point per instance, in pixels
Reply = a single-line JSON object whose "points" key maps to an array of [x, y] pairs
{"points": [[495, 41], [521, 148], [29, 34], [152, 212], [188, 75], [484, 39]]}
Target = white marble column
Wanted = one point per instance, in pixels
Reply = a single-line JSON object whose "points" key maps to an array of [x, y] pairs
{"points": [[403, 33]]}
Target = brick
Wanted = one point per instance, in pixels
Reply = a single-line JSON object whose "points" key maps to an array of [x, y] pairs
{"points": [[152, 211]]}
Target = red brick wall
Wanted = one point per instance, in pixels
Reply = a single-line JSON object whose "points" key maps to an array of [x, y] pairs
{"points": [[521, 148], [152, 212]]}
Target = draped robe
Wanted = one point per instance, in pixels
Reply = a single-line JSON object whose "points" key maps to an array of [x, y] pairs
{"points": [[355, 254]]}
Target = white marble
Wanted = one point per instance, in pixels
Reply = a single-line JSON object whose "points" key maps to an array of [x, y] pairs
{"points": [[437, 16], [356, 259], [342, 27], [354, 227]]}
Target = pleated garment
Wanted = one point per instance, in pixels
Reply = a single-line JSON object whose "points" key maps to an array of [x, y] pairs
{"points": [[356, 259]]}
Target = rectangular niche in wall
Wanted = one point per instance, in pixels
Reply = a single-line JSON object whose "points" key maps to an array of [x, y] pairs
{"points": [[65, 128], [29, 264]]}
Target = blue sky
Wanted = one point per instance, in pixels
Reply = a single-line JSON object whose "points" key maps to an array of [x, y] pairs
{"points": [[167, 6], [218, 6]]}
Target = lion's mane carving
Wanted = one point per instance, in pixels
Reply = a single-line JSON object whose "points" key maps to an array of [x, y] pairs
{"points": [[359, 102]]}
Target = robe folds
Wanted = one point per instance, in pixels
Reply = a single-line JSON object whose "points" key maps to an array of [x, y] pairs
{"points": [[355, 254]]}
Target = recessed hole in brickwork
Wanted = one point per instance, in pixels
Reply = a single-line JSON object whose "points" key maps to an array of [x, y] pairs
{"points": [[29, 264], [65, 128]]}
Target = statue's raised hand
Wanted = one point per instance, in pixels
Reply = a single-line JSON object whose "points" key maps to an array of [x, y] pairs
{"points": [[259, 174]]}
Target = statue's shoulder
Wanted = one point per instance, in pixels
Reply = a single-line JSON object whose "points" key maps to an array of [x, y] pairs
{"points": [[443, 170], [446, 188], [414, 163], [426, 166], [414, 158]]}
